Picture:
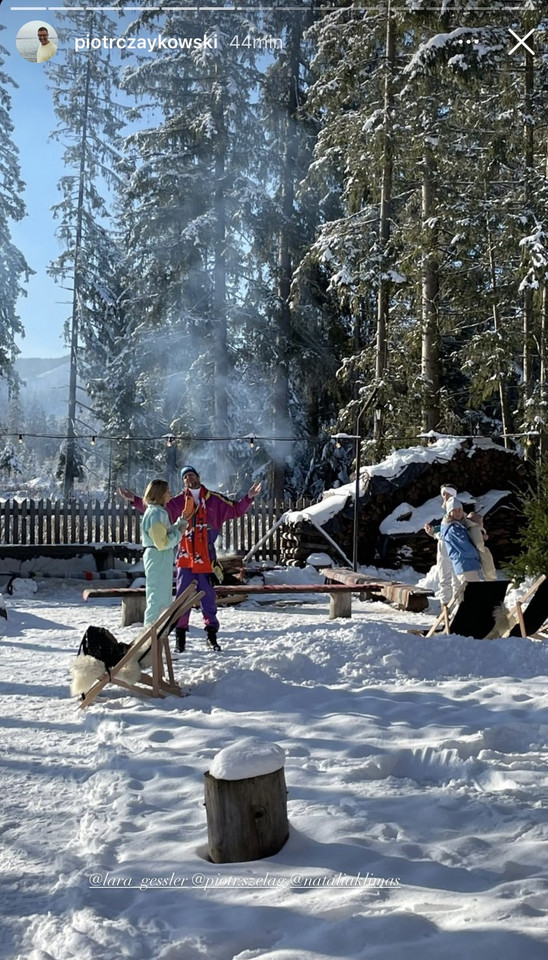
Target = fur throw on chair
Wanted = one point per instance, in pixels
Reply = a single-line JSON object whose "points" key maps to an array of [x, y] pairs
{"points": [[99, 652]]}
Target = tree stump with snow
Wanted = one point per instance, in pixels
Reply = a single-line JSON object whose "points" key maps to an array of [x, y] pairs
{"points": [[246, 802]]}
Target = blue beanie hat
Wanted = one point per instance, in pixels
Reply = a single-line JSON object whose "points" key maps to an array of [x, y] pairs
{"points": [[189, 469]]}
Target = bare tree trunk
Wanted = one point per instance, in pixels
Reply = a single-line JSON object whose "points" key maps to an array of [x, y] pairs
{"points": [[430, 290], [528, 132], [70, 459], [285, 267], [220, 336], [383, 298], [496, 320]]}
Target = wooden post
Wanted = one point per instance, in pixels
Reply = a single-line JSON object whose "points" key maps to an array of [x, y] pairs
{"points": [[340, 604], [246, 819], [133, 609]]}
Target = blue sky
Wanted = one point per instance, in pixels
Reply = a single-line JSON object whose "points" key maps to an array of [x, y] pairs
{"points": [[47, 307], [42, 312]]}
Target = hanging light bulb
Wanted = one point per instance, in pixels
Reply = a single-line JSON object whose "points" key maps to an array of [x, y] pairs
{"points": [[20, 438], [93, 441]]}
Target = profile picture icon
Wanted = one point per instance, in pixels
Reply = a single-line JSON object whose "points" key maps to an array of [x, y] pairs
{"points": [[37, 41]]}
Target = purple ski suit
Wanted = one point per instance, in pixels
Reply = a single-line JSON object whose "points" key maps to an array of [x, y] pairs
{"points": [[218, 509]]}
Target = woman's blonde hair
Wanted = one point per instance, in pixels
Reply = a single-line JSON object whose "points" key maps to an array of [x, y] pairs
{"points": [[156, 491]]}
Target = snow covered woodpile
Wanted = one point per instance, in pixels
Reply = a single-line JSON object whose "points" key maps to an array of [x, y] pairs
{"points": [[401, 493]]}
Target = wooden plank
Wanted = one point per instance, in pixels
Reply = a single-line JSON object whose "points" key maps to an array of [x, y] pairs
{"points": [[48, 518], [105, 511], [64, 522], [404, 596], [256, 521], [41, 515], [81, 521], [123, 523], [89, 523], [32, 520], [256, 588], [106, 592], [24, 521], [97, 534], [73, 525], [15, 538], [232, 590]]}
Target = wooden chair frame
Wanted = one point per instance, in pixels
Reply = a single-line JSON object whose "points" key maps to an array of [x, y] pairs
{"points": [[470, 593], [154, 684], [447, 611], [516, 614]]}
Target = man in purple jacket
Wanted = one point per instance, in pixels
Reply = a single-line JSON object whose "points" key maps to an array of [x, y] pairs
{"points": [[196, 554]]}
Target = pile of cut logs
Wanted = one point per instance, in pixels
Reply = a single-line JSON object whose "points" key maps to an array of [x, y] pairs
{"points": [[475, 468]]}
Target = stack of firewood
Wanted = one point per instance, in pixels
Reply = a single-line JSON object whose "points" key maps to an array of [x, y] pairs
{"points": [[233, 569], [475, 467]]}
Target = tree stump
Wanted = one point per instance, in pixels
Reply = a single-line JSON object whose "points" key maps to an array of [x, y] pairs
{"points": [[246, 819]]}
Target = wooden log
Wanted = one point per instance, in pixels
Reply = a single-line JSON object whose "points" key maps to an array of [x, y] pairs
{"points": [[340, 605], [133, 608], [246, 819]]}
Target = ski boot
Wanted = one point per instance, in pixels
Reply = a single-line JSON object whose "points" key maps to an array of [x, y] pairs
{"points": [[180, 639], [211, 634]]}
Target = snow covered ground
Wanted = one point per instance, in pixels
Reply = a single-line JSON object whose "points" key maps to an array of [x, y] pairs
{"points": [[416, 774]]}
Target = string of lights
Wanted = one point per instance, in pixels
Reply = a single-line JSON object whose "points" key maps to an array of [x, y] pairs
{"points": [[172, 439], [169, 439]]}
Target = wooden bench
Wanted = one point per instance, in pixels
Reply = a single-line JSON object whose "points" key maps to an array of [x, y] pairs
{"points": [[133, 599], [404, 596]]}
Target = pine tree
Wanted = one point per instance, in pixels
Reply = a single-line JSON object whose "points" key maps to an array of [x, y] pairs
{"points": [[82, 85], [298, 323], [453, 263], [192, 185], [533, 560], [13, 266]]}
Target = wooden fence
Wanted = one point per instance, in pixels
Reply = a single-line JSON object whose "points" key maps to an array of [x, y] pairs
{"points": [[28, 522]]}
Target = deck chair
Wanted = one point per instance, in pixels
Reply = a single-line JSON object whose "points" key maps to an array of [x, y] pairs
{"points": [[473, 611], [526, 623], [155, 643]]}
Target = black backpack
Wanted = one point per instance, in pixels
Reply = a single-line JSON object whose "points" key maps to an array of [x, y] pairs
{"points": [[100, 643]]}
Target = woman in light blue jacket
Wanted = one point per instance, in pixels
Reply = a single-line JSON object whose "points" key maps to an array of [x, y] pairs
{"points": [[462, 552], [160, 537]]}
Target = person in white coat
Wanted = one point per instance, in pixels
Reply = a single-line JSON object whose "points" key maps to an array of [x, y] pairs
{"points": [[448, 583]]}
